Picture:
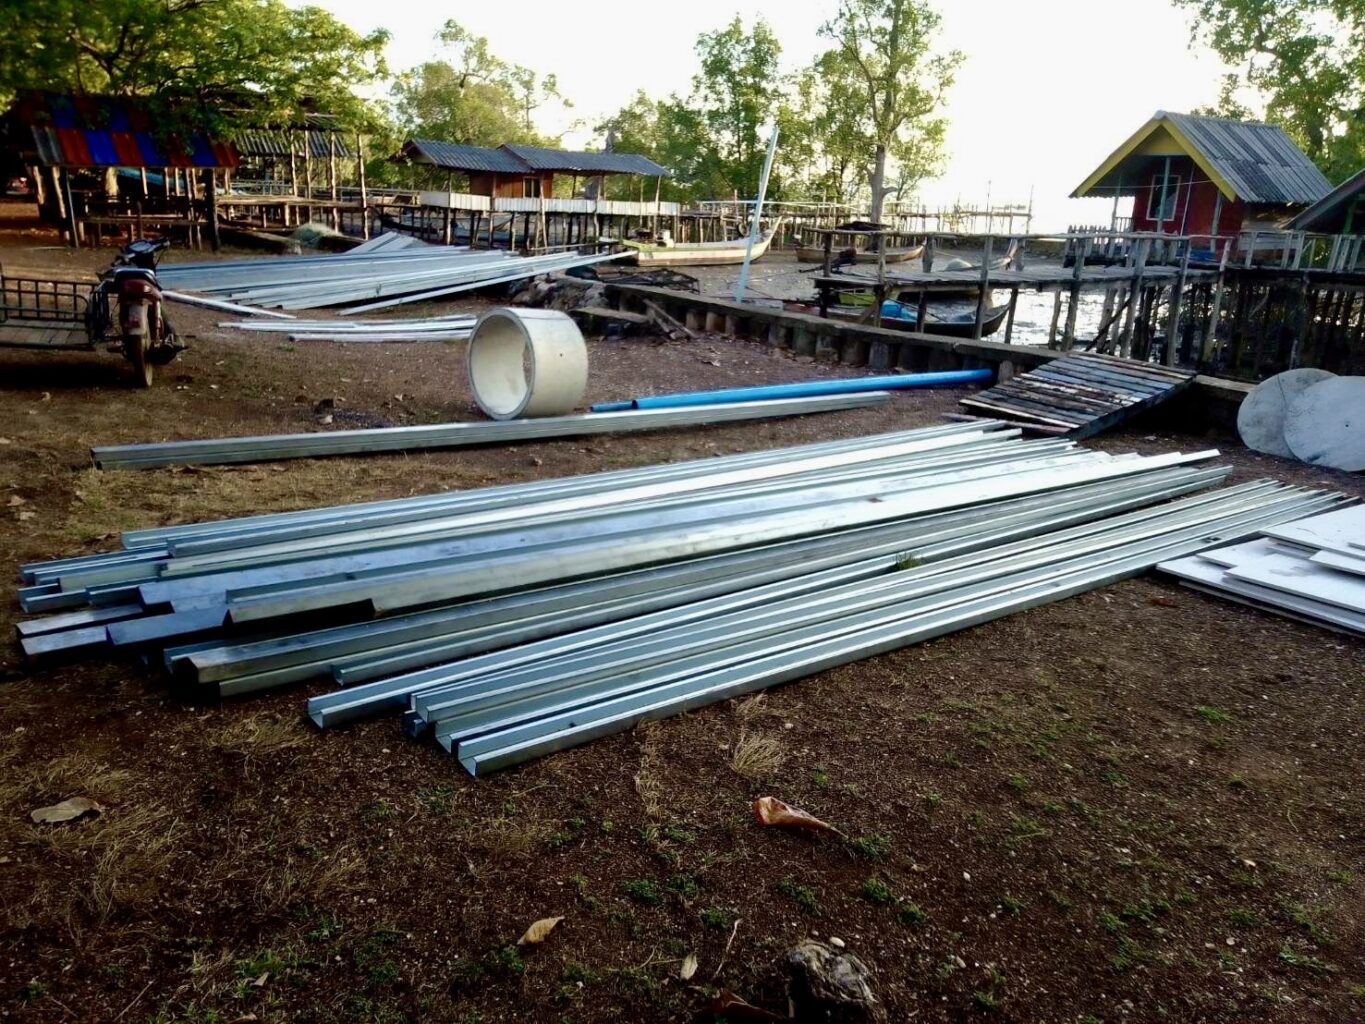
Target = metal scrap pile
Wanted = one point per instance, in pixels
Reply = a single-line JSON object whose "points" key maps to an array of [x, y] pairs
{"points": [[378, 278], [513, 621]]}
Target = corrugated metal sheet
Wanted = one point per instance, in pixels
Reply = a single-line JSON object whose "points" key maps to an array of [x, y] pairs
{"points": [[1259, 161], [518, 159], [1326, 211], [109, 131], [454, 156], [586, 163], [263, 142]]}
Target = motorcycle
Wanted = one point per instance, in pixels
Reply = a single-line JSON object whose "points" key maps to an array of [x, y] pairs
{"points": [[144, 335]]}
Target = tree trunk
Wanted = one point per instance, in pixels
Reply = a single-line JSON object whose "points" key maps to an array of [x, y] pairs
{"points": [[878, 186]]}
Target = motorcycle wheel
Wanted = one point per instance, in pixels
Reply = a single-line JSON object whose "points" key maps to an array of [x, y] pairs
{"points": [[135, 350]]}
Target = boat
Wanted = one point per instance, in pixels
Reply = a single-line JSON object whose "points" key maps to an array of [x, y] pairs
{"points": [[699, 254], [899, 316], [814, 254]]}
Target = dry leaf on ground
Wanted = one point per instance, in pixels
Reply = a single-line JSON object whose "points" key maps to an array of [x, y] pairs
{"points": [[67, 810], [539, 931], [768, 810], [688, 968]]}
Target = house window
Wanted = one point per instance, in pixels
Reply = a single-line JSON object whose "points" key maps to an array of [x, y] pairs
{"points": [[530, 188], [1166, 210]]}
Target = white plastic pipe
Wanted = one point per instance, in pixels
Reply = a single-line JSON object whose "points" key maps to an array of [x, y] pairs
{"points": [[527, 362]]}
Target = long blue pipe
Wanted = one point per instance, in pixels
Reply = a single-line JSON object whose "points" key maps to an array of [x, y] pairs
{"points": [[812, 388]]}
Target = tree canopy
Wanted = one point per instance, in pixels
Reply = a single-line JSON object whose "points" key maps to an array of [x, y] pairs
{"points": [[474, 97], [1304, 60], [259, 61], [884, 66]]}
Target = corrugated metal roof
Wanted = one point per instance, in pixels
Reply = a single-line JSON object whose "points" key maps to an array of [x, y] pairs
{"points": [[1259, 161], [518, 159], [108, 131], [271, 142], [1335, 204], [586, 163], [454, 156]]}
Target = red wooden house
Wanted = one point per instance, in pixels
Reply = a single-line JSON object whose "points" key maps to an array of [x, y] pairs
{"points": [[1209, 176]]}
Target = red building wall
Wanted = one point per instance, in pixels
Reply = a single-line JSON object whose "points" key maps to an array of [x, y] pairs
{"points": [[1196, 202]]}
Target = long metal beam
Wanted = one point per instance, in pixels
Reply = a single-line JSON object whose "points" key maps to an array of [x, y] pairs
{"points": [[879, 632], [508, 571], [453, 435]]}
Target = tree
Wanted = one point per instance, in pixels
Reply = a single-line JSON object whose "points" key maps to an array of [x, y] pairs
{"points": [[883, 57], [1304, 59], [216, 63], [673, 135], [735, 93], [473, 97]]}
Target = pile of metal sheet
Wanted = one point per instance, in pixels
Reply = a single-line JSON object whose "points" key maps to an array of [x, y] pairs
{"points": [[512, 621], [1312, 569], [377, 279]]}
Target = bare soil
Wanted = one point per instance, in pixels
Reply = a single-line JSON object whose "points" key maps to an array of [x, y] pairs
{"points": [[1137, 805]]}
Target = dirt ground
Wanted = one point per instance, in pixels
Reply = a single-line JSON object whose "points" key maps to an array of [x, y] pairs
{"points": [[1141, 804]]}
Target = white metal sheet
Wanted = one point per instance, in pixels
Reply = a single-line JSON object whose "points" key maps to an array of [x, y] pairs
{"points": [[1208, 577], [1339, 530], [1301, 576], [1354, 564]]}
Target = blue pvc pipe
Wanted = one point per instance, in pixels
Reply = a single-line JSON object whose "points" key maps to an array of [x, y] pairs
{"points": [[807, 389]]}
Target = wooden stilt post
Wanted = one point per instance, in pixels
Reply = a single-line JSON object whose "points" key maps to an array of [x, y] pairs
{"points": [[1134, 296], [69, 203], [211, 208], [1177, 298], [1074, 297], [1009, 317], [332, 183], [984, 297], [1056, 317], [360, 174]]}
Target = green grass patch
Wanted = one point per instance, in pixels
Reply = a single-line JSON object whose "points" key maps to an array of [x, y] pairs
{"points": [[873, 847], [804, 895], [877, 891], [643, 891]]}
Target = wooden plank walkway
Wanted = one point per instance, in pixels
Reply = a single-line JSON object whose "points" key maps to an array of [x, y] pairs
{"points": [[1082, 394]]}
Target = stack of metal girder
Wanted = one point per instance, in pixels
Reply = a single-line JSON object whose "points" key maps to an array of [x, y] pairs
{"points": [[512, 621]]}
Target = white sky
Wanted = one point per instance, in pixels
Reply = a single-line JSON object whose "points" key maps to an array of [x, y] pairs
{"points": [[1048, 88]]}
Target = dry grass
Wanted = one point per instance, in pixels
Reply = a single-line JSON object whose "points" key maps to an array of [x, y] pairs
{"points": [[260, 735], [115, 862], [79, 774], [301, 880], [505, 839], [649, 783], [757, 755]]}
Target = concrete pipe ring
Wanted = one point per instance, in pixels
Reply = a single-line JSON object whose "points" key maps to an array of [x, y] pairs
{"points": [[527, 362]]}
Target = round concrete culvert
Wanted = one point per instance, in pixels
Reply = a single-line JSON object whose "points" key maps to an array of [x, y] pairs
{"points": [[527, 362]]}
